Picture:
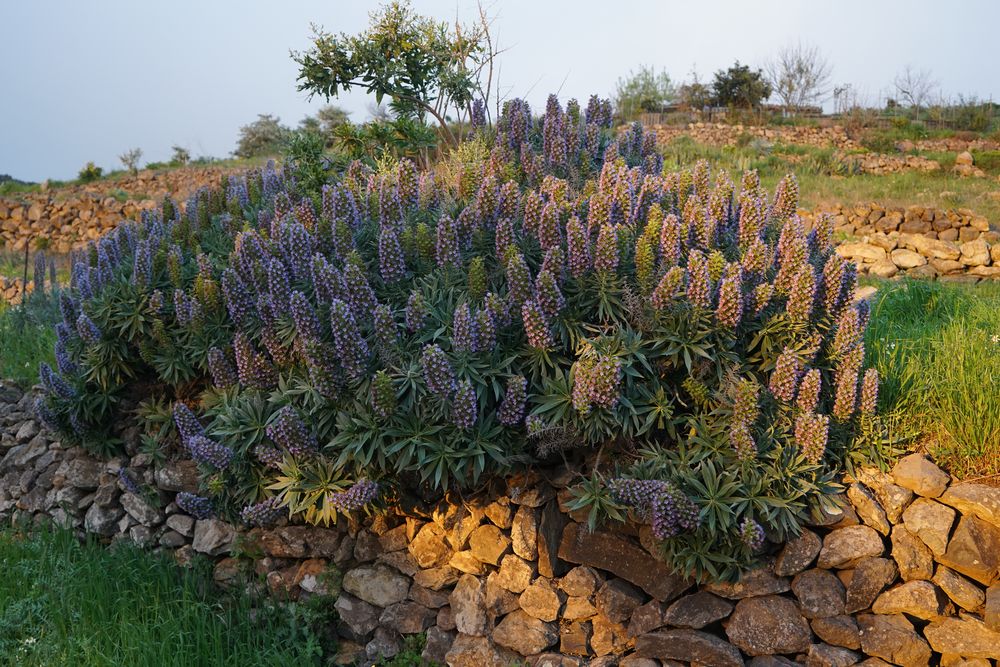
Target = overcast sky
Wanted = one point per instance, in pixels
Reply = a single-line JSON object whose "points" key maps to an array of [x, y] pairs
{"points": [[84, 81]]}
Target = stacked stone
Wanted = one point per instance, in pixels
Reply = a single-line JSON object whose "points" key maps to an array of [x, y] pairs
{"points": [[70, 216], [923, 242], [908, 573]]}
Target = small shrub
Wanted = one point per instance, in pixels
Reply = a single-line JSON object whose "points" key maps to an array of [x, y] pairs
{"points": [[264, 136], [403, 333], [89, 172]]}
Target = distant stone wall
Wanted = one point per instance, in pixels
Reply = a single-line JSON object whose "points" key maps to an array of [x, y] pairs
{"points": [[69, 217], [724, 134], [924, 242], [907, 573]]}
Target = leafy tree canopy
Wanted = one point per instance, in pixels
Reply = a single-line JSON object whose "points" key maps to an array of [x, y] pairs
{"points": [[739, 86]]}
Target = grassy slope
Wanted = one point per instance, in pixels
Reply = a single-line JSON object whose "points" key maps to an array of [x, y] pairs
{"points": [[66, 603]]}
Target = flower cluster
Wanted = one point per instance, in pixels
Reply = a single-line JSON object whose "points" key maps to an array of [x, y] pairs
{"points": [[751, 534], [536, 326], [463, 331], [287, 430], [785, 376], [596, 381], [465, 406], [197, 506], [811, 432], [661, 503], [362, 493], [263, 513], [209, 452], [438, 376]]}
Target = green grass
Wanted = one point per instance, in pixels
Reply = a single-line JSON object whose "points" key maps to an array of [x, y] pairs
{"points": [[67, 603], [27, 337], [937, 348]]}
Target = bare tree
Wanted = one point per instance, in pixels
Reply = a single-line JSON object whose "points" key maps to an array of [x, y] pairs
{"points": [[914, 87], [130, 159], [799, 75]]}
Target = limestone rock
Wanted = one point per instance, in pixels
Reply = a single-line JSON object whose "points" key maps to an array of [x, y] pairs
{"points": [[871, 577], [893, 639], [838, 630], [824, 655], [932, 248], [907, 259], [437, 645], [140, 510], [768, 625], [979, 500], [488, 544], [574, 638], [798, 554], [407, 618], [847, 545], [436, 578], [577, 609], [213, 537], [500, 512], [524, 533], [914, 559], [967, 636], [868, 509], [975, 253], [515, 573], [962, 592], [697, 610], [991, 611], [540, 601], [918, 474], [607, 637], [931, 522], [755, 582], [429, 547], [102, 520], [920, 599], [581, 581], [464, 561], [177, 476], [468, 603], [617, 599], [359, 617], [820, 593], [499, 601], [83, 473], [625, 559], [974, 550], [377, 585], [646, 618], [525, 634], [690, 646], [861, 251], [475, 651]]}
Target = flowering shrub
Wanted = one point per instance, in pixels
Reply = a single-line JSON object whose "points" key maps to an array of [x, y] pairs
{"points": [[400, 332]]}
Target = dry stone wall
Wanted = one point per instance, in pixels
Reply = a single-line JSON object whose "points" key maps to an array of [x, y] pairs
{"points": [[69, 217], [917, 241], [906, 574], [723, 134]]}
